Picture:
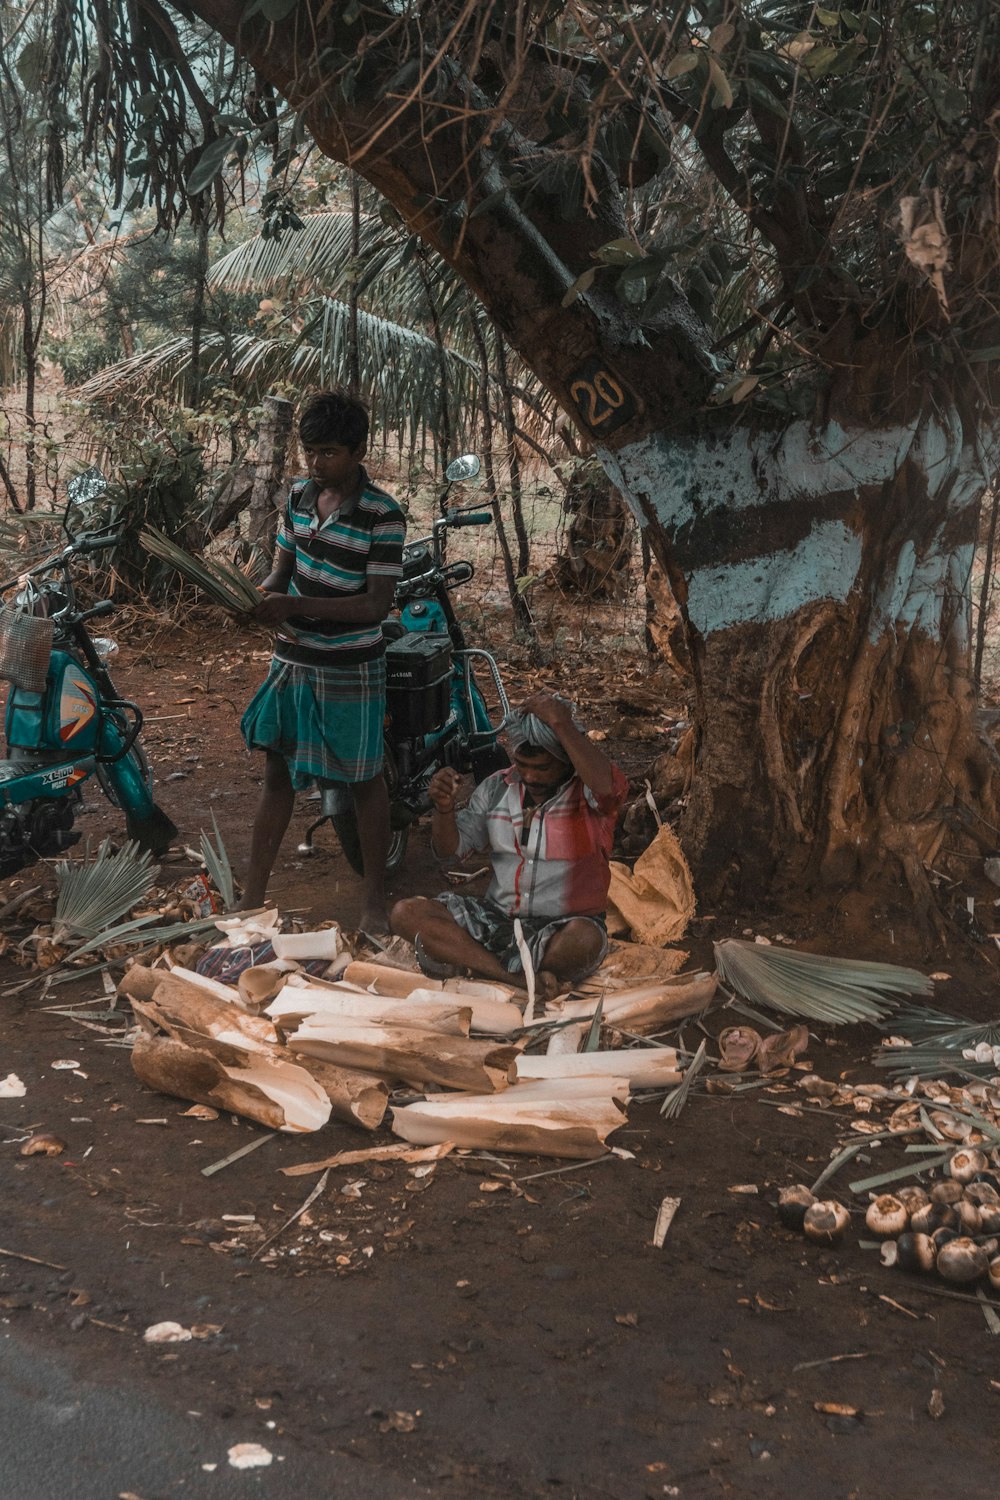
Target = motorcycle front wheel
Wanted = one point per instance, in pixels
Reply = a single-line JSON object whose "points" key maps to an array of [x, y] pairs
{"points": [[345, 826]]}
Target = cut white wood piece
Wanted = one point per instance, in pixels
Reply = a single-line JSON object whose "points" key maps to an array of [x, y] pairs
{"points": [[664, 1219], [214, 987], [645, 1067], [274, 1091], [529, 970], [298, 1003], [298, 980], [178, 1005], [493, 1017], [648, 1007], [356, 1097], [481, 989], [323, 944], [590, 1086], [258, 987], [380, 979], [535, 1126], [408, 1053], [567, 1040]]}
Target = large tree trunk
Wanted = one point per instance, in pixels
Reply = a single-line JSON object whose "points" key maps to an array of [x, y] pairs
{"points": [[824, 578], [821, 569]]}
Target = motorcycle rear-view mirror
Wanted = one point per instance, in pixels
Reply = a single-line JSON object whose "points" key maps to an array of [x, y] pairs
{"points": [[86, 486], [465, 467], [82, 489]]}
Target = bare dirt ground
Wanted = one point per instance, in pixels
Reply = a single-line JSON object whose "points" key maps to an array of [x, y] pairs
{"points": [[481, 1331]]}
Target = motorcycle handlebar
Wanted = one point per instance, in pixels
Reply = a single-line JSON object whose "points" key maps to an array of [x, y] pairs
{"points": [[469, 518], [96, 543]]}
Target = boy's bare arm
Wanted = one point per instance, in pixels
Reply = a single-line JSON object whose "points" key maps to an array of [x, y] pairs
{"points": [[369, 607]]}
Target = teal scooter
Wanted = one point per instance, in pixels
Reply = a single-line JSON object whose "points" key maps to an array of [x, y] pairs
{"points": [[65, 721]]}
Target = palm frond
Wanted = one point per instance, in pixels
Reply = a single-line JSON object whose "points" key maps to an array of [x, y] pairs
{"points": [[93, 894], [678, 1097], [216, 861], [813, 986], [940, 1044], [224, 583]]}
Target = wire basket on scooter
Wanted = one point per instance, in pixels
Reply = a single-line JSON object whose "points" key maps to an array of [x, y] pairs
{"points": [[25, 648]]}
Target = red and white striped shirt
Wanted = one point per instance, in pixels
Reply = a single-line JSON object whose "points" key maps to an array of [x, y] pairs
{"points": [[560, 868]]}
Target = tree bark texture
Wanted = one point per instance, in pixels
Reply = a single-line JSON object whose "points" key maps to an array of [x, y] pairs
{"points": [[272, 448], [823, 575]]}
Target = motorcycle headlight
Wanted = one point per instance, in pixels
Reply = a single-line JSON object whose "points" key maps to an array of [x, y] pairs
{"points": [[105, 647]]}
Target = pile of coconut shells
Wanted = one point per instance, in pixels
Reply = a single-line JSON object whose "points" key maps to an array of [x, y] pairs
{"points": [[953, 1229]]}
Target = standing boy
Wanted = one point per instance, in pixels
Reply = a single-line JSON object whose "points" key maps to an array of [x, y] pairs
{"points": [[319, 716]]}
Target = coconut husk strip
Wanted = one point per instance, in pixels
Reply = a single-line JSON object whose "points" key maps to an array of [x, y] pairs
{"points": [[371, 1153], [176, 1003], [408, 1053], [519, 1121], [380, 979], [294, 1006], [645, 1067], [649, 1007], [259, 986], [274, 1092]]}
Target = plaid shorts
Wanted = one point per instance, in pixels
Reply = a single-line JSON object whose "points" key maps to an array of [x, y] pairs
{"points": [[490, 925], [327, 722]]}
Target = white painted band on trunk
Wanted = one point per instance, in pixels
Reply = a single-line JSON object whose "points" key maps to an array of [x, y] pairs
{"points": [[824, 565]]}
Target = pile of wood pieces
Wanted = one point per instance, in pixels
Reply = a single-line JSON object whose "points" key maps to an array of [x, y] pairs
{"points": [[292, 1051]]}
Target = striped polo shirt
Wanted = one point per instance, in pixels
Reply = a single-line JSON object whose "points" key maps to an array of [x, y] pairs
{"points": [[363, 539]]}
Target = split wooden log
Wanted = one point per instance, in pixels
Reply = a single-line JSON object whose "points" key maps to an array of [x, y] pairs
{"points": [[566, 1040], [493, 1013], [380, 979], [178, 1005], [355, 1096], [205, 982], [139, 982], [644, 1067], [647, 1008], [556, 1122], [408, 1053], [275, 1092], [299, 1003]]}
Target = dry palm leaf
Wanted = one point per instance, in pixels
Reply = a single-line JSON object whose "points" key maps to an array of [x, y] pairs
{"points": [[935, 1044], [220, 580], [839, 991], [93, 894], [216, 862]]}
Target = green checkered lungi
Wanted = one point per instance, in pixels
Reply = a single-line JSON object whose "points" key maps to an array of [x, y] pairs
{"points": [[327, 722]]}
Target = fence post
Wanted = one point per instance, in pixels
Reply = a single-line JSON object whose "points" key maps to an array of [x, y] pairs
{"points": [[272, 450]]}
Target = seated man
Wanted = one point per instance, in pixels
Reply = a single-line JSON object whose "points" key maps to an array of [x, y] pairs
{"points": [[548, 825]]}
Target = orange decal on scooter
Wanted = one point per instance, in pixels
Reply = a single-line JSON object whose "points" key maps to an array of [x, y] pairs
{"points": [[77, 705]]}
